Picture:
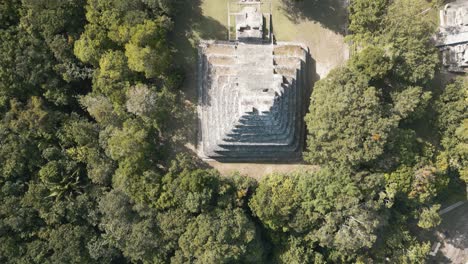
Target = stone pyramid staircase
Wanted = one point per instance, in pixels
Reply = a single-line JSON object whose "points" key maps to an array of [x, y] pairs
{"points": [[250, 101]]}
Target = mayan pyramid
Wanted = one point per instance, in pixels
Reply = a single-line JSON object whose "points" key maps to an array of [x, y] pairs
{"points": [[250, 100]]}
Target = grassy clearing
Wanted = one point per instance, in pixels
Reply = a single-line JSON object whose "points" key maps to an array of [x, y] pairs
{"points": [[319, 25]]}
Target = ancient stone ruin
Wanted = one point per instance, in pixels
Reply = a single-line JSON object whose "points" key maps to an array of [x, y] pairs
{"points": [[453, 36], [250, 95], [249, 24]]}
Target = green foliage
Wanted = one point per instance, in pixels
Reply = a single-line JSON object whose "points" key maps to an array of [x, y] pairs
{"points": [[404, 30], [25, 129], [25, 67], [53, 17], [400, 181], [101, 109], [92, 44], [429, 217], [331, 208], [415, 186], [116, 17], [194, 191], [401, 247], [220, 237], [276, 200], [371, 62], [452, 107], [134, 147], [9, 13], [113, 76], [100, 186], [410, 103], [198, 216], [44, 207], [80, 139], [461, 150], [299, 252], [66, 244], [367, 115], [132, 142], [135, 235], [56, 24], [452, 121], [366, 19], [147, 50], [347, 122], [409, 33], [402, 149]]}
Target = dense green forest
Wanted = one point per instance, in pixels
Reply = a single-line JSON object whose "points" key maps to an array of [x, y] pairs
{"points": [[88, 174]]}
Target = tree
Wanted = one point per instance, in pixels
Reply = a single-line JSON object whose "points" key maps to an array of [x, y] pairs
{"points": [[141, 101], [409, 32], [461, 150], [222, 236], [113, 76], [55, 25], [399, 246], [410, 103], [101, 109], [371, 62], [55, 161], [194, 190], [80, 139], [68, 244], [430, 217], [330, 209], [347, 122], [147, 50], [276, 201], [116, 17], [366, 19], [92, 44], [152, 105], [49, 18], [135, 149], [26, 69], [452, 122], [9, 13], [298, 251], [404, 30], [133, 229], [195, 215]]}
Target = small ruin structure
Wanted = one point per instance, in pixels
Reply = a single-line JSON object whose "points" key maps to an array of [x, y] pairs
{"points": [[250, 94], [249, 24], [453, 36]]}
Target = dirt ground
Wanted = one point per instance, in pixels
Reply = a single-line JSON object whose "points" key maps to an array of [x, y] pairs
{"points": [[258, 170], [454, 229], [319, 25]]}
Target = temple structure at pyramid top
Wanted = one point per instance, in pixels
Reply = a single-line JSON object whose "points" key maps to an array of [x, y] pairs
{"points": [[250, 92], [249, 24]]}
